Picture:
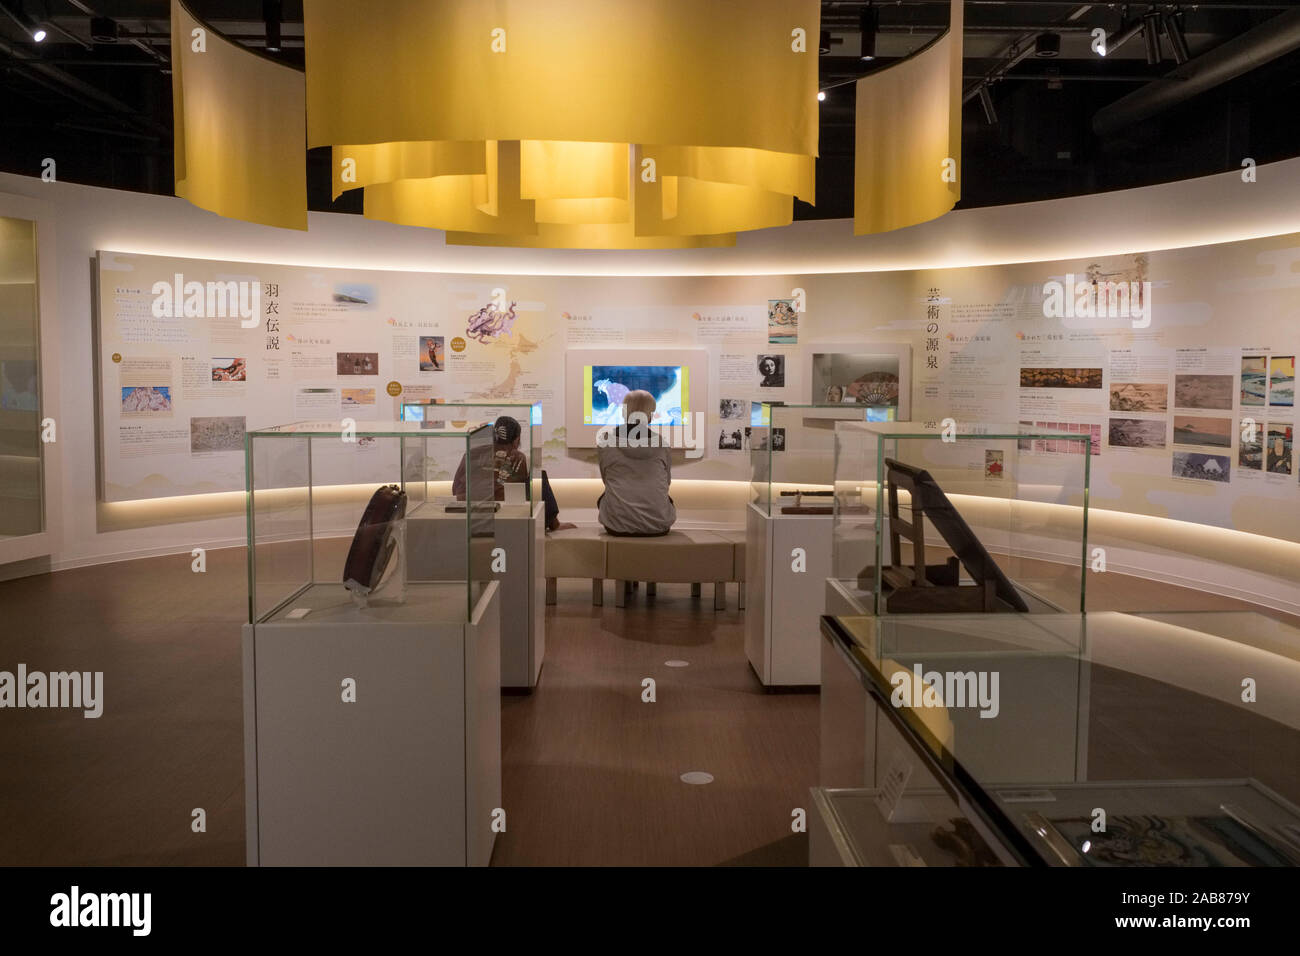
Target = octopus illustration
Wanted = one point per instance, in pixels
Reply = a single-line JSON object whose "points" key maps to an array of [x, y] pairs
{"points": [[488, 323]]}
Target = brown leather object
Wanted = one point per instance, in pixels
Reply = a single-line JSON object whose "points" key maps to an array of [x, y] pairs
{"points": [[372, 545]]}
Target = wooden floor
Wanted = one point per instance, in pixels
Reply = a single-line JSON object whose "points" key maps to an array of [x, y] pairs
{"points": [[590, 773]]}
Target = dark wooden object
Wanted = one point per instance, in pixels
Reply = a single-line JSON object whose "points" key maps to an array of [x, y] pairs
{"points": [[921, 587]]}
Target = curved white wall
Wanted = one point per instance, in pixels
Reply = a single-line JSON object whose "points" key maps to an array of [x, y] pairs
{"points": [[84, 219]]}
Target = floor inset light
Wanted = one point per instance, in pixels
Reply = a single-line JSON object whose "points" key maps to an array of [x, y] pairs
{"points": [[697, 777]]}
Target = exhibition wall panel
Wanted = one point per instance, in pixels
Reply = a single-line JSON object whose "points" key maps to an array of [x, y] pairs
{"points": [[983, 346], [1187, 389]]}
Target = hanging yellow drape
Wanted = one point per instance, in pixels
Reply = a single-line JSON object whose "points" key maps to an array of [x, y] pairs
{"points": [[240, 128], [907, 162], [568, 123], [726, 92]]}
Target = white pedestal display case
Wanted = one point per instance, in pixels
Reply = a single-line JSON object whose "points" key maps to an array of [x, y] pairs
{"points": [[788, 538], [520, 534], [372, 718]]}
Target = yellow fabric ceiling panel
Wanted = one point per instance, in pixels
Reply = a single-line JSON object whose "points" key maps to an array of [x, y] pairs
{"points": [[578, 212], [679, 205], [684, 72], [551, 170], [908, 127], [386, 162], [456, 203], [619, 236], [240, 130], [787, 173]]}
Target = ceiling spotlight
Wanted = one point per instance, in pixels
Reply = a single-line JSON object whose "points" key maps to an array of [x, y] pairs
{"points": [[271, 15], [1177, 39], [1047, 44], [103, 30], [824, 45], [1151, 36], [29, 24], [821, 96], [986, 101], [869, 23]]}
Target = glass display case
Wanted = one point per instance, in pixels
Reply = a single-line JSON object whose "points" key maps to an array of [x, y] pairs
{"points": [[524, 468], [791, 456], [373, 643], [328, 507], [22, 511], [1064, 740], [983, 518]]}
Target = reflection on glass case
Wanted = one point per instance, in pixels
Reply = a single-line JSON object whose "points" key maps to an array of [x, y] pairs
{"points": [[328, 512], [1033, 722], [791, 456], [986, 519], [518, 446]]}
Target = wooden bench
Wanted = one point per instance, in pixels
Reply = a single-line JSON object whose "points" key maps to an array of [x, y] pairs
{"points": [[688, 556], [576, 553]]}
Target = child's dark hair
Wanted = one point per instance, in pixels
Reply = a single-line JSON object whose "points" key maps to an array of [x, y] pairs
{"points": [[505, 430]]}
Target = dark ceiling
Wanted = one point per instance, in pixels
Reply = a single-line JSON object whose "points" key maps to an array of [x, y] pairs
{"points": [[102, 108]]}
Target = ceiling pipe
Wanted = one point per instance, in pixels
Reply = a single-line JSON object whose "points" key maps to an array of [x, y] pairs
{"points": [[1262, 44], [63, 82]]}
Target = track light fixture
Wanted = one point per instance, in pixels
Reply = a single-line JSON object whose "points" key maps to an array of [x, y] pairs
{"points": [[271, 15], [824, 45], [1047, 45], [1151, 36], [1177, 39], [869, 23], [986, 101], [1122, 36], [103, 30]]}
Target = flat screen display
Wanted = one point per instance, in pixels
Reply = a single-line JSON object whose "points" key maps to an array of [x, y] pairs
{"points": [[605, 387]]}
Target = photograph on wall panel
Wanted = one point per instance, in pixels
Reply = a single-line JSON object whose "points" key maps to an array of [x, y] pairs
{"points": [[1281, 381]]}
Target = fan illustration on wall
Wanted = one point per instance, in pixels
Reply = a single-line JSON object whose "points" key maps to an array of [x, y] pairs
{"points": [[874, 388]]}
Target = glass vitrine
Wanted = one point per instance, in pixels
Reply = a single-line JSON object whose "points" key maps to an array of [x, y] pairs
{"points": [[1098, 741], [328, 509], [22, 509], [945, 517], [519, 459], [792, 456]]}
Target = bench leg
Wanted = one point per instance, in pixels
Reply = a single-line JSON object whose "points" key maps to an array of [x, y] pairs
{"points": [[719, 595], [651, 589], [740, 595], [620, 593], [597, 592], [695, 589], [550, 590]]}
